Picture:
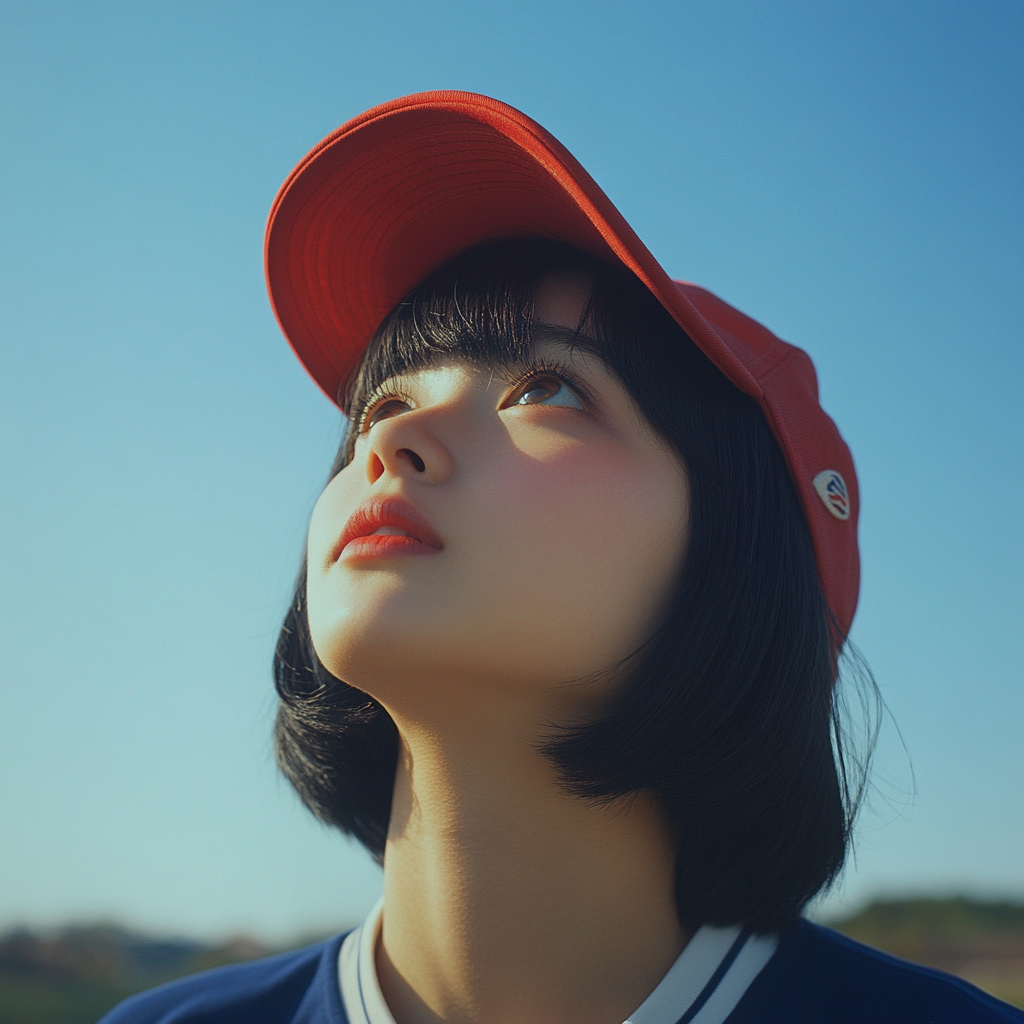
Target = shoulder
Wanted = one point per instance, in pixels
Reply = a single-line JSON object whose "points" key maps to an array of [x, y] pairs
{"points": [[299, 987], [820, 976]]}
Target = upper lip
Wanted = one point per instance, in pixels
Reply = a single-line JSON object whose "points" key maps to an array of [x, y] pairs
{"points": [[377, 512]]}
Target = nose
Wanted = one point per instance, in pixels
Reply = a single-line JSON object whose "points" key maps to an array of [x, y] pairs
{"points": [[404, 446]]}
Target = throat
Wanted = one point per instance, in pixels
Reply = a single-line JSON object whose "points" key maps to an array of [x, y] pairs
{"points": [[507, 899]]}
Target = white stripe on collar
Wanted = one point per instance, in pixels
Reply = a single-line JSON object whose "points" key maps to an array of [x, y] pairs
{"points": [[703, 986], [357, 971]]}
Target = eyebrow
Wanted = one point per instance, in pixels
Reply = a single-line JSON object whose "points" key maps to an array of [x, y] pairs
{"points": [[572, 339]]}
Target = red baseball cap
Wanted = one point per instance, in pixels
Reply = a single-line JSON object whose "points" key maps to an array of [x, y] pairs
{"points": [[396, 192]]}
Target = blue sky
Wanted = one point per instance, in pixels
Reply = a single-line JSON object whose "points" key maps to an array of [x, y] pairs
{"points": [[848, 173]]}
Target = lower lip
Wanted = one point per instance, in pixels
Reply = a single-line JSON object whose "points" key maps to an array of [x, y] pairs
{"points": [[384, 546]]}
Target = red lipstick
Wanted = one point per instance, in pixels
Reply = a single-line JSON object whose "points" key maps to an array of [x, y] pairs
{"points": [[383, 527]]}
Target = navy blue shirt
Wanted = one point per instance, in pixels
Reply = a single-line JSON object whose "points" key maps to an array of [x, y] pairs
{"points": [[816, 976]]}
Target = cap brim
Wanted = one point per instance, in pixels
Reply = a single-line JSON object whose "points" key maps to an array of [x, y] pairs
{"points": [[396, 192]]}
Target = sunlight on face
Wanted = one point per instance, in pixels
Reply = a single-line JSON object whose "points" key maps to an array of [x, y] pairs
{"points": [[502, 534]]}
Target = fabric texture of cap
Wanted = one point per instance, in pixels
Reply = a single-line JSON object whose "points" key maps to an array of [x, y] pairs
{"points": [[396, 192]]}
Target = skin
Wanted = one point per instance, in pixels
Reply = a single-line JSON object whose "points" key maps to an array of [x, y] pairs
{"points": [[563, 523]]}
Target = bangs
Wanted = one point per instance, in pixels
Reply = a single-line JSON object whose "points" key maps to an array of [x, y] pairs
{"points": [[479, 311]]}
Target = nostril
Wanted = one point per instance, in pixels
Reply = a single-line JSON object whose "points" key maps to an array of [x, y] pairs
{"points": [[418, 464]]}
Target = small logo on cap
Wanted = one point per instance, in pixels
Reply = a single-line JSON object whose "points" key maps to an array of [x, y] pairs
{"points": [[831, 488]]}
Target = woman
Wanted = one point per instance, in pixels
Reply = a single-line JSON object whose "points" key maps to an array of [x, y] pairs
{"points": [[563, 654]]}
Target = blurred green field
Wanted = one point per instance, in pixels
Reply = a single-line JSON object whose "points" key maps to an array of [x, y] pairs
{"points": [[73, 976], [55, 1000]]}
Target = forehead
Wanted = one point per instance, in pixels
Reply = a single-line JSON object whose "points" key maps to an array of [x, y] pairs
{"points": [[562, 299]]}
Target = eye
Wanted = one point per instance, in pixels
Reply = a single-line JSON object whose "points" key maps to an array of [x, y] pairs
{"points": [[548, 391], [384, 410]]}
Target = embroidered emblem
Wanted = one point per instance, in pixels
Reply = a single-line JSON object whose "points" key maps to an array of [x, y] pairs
{"points": [[831, 488]]}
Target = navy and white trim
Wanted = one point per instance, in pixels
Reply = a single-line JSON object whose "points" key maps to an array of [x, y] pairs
{"points": [[702, 987], [708, 979]]}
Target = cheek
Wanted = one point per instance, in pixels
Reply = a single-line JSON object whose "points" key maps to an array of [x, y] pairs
{"points": [[330, 606], [583, 550], [329, 516]]}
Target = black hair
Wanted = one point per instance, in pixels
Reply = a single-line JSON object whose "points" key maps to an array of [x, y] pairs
{"points": [[729, 712]]}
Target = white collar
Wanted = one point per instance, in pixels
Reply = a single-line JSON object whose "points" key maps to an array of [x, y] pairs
{"points": [[702, 987]]}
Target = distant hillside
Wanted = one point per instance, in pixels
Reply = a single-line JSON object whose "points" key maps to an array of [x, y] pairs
{"points": [[982, 942], [931, 917]]}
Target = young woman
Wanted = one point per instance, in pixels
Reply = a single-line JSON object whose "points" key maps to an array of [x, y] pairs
{"points": [[564, 651]]}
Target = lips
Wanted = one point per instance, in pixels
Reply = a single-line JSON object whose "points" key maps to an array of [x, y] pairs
{"points": [[383, 527]]}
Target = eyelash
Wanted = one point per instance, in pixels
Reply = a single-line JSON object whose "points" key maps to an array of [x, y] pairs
{"points": [[552, 368], [540, 370], [377, 398]]}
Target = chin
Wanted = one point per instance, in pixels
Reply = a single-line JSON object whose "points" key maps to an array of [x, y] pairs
{"points": [[398, 640]]}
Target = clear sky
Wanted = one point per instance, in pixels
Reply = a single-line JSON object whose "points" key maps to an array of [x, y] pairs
{"points": [[849, 173]]}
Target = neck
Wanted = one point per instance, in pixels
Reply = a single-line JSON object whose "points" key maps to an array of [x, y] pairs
{"points": [[505, 898]]}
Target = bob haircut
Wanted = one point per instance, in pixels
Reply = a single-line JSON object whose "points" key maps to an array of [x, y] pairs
{"points": [[729, 712]]}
